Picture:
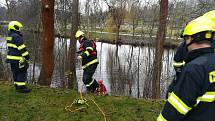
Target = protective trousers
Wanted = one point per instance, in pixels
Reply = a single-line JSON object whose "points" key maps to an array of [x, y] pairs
{"points": [[19, 75], [90, 83]]}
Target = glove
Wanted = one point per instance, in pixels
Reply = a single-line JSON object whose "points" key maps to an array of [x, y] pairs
{"points": [[23, 63], [79, 57]]}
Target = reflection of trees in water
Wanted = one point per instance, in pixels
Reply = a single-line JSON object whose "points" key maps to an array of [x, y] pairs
{"points": [[122, 73], [117, 76], [130, 72], [4, 72]]}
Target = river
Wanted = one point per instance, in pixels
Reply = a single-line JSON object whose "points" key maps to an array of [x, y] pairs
{"points": [[125, 73]]}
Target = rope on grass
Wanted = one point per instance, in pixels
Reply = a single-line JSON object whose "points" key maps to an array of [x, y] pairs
{"points": [[99, 109], [81, 101], [68, 108]]}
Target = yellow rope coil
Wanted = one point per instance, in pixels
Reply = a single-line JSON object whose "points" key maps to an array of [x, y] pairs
{"points": [[83, 101]]}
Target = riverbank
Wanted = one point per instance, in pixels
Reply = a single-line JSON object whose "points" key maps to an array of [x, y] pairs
{"points": [[169, 44], [128, 39], [46, 104]]}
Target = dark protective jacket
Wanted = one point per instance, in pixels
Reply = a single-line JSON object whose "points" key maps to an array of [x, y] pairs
{"points": [[178, 64], [213, 44], [16, 48], [179, 57], [193, 96], [88, 52]]}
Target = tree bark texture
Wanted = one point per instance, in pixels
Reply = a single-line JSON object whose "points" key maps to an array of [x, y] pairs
{"points": [[48, 42], [159, 49], [72, 80]]}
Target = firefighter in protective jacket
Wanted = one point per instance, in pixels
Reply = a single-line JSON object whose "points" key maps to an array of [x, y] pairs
{"points": [[193, 96], [178, 64], [17, 56], [88, 53]]}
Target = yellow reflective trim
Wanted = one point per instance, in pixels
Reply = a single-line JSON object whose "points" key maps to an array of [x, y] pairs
{"points": [[178, 104], [20, 83], [87, 85], [197, 102], [14, 57], [21, 47], [208, 35], [90, 63], [207, 97], [8, 38], [178, 64], [169, 93], [11, 45], [25, 53], [90, 48], [212, 77], [161, 118], [87, 53]]}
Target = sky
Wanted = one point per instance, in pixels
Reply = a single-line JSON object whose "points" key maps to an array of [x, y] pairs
{"points": [[3, 3]]}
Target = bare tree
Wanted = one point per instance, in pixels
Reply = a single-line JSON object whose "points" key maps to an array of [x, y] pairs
{"points": [[48, 42], [117, 10], [159, 49]]}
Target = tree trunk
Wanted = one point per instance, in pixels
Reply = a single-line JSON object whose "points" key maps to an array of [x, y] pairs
{"points": [[48, 42], [2, 77], [159, 49], [72, 81], [117, 34]]}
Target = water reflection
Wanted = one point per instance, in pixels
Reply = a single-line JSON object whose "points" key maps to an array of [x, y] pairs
{"points": [[126, 73]]}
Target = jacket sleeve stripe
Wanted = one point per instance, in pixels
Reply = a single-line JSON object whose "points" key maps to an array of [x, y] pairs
{"points": [[161, 118], [178, 64], [25, 53], [207, 97], [87, 53], [21, 47], [8, 38], [14, 57], [11, 45], [178, 104]]}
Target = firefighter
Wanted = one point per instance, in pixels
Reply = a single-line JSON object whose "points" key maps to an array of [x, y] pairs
{"points": [[17, 56], [193, 96], [178, 64], [88, 53]]}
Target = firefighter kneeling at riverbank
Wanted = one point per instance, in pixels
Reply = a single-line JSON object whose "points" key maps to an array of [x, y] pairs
{"points": [[17, 56], [193, 96], [88, 53]]}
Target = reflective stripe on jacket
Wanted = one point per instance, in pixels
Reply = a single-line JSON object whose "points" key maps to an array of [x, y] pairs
{"points": [[193, 96], [16, 48], [88, 53]]}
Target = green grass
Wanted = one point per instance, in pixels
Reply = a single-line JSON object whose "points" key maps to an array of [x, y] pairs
{"points": [[46, 104]]}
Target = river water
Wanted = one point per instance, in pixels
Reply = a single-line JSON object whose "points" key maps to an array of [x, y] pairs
{"points": [[127, 72], [124, 73]]}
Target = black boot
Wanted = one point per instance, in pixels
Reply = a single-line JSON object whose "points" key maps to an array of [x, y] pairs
{"points": [[22, 89], [93, 87]]}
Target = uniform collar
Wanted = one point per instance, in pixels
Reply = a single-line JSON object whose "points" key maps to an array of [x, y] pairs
{"points": [[198, 52], [17, 32], [84, 39]]}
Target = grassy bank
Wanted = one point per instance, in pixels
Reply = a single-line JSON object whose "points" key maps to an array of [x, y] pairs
{"points": [[46, 104]]}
